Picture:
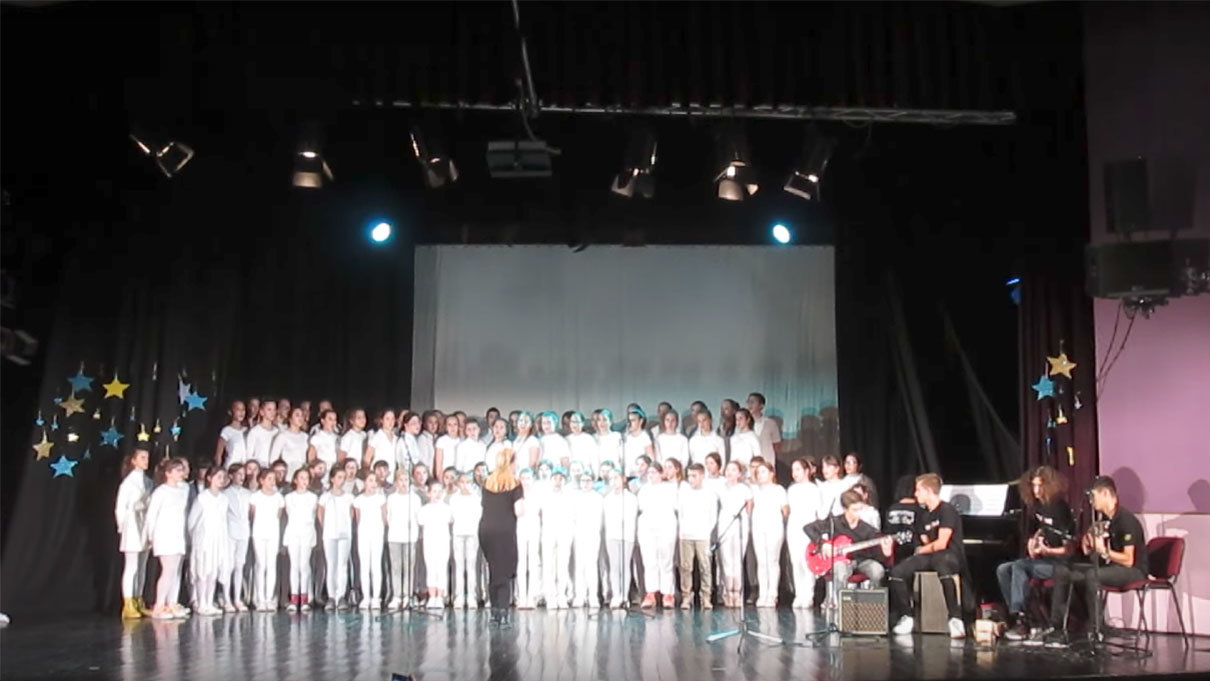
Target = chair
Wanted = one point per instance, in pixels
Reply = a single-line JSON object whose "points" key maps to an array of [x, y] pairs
{"points": [[1165, 555], [1037, 584]]}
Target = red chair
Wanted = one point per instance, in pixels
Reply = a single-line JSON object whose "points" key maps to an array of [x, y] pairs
{"points": [[1043, 584], [1164, 556]]}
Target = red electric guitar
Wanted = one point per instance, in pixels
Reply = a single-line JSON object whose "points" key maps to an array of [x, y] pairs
{"points": [[842, 546]]}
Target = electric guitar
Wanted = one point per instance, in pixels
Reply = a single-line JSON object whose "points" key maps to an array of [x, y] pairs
{"points": [[842, 546]]}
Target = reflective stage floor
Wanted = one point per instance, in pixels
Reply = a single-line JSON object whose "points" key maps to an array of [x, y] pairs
{"points": [[562, 646]]}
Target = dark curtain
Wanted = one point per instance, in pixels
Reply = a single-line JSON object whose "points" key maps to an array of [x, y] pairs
{"points": [[235, 285]]}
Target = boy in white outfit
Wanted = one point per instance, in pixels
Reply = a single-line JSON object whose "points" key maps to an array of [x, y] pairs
{"points": [[589, 514], [467, 508], [435, 519], [558, 515], [698, 512]]}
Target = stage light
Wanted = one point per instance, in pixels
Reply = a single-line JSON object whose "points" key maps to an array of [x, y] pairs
{"points": [[436, 166], [637, 166], [805, 180], [781, 233], [380, 232], [310, 169], [736, 179], [1014, 289], [170, 157]]}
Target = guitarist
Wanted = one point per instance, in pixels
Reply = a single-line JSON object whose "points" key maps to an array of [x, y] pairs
{"points": [[940, 533], [871, 561]]}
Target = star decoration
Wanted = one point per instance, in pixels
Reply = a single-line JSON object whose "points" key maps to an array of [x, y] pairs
{"points": [[43, 448], [143, 435], [39, 421], [57, 400], [54, 422], [73, 437], [72, 405], [96, 415], [1044, 387], [183, 389], [195, 401], [1078, 404], [175, 429], [87, 455], [63, 467], [80, 382], [157, 430], [1050, 423], [116, 388], [1062, 417], [1061, 365], [111, 437]]}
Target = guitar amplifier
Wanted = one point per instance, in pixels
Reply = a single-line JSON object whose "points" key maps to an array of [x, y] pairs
{"points": [[864, 612]]}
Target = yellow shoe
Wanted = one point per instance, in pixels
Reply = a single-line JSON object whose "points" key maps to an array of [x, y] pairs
{"points": [[142, 606], [130, 609]]}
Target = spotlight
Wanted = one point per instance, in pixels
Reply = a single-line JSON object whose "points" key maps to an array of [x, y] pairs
{"points": [[736, 179], [781, 233], [170, 157], [638, 164], [438, 168], [804, 181], [380, 232], [310, 166], [1014, 289]]}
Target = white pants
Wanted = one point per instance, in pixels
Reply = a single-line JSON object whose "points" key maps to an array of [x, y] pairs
{"points": [[437, 563], [621, 558], [657, 541], [804, 579], [369, 556], [300, 567], [336, 555], [264, 551], [529, 569], [766, 543], [586, 549], [403, 569], [134, 571], [466, 569], [731, 555], [234, 582], [556, 566], [168, 586]]}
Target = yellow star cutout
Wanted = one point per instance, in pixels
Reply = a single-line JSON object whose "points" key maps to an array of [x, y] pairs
{"points": [[73, 437], [143, 436], [72, 405], [116, 388], [1061, 365], [43, 448]]}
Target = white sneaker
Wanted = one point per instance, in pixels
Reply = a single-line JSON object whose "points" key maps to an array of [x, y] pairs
{"points": [[459, 603], [904, 625], [364, 604], [393, 604], [436, 604], [305, 607], [376, 604], [957, 628], [473, 604], [291, 608]]}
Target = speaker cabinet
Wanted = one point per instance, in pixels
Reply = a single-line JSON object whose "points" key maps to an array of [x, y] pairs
{"points": [[1126, 206], [864, 612]]}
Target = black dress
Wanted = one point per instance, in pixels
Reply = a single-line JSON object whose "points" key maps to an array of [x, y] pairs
{"points": [[498, 540]]}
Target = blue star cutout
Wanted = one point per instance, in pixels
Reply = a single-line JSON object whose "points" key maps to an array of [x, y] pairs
{"points": [[63, 467], [39, 421], [195, 401], [1044, 387], [183, 390], [54, 425], [80, 383], [87, 455], [111, 437], [57, 399], [175, 429]]}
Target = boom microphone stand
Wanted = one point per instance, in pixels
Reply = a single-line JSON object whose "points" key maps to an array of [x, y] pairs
{"points": [[832, 610], [742, 630]]}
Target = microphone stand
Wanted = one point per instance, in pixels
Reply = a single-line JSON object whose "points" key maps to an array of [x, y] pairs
{"points": [[832, 609], [742, 630]]}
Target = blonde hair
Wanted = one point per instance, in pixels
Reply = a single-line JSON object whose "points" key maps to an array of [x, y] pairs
{"points": [[502, 478]]}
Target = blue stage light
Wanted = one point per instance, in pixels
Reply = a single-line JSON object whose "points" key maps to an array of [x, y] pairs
{"points": [[380, 232], [781, 233]]}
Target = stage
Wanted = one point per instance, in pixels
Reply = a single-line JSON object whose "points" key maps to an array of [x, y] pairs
{"points": [[563, 645]]}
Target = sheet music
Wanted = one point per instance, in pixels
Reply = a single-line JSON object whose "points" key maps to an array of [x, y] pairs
{"points": [[977, 500]]}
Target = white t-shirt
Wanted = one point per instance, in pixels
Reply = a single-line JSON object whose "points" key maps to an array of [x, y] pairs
{"points": [[829, 496], [353, 444], [428, 449], [588, 507], [702, 444], [523, 449], [493, 452], [634, 445], [467, 454], [266, 518], [717, 484], [258, 441], [744, 446], [384, 450], [403, 510], [554, 449], [466, 509], [338, 515], [558, 513], [733, 500], [237, 450], [769, 434], [370, 525], [583, 448], [673, 446], [767, 503], [407, 451], [609, 448], [698, 512], [290, 446], [435, 518], [805, 505], [237, 511], [325, 447], [300, 518], [658, 502], [448, 444], [621, 515]]}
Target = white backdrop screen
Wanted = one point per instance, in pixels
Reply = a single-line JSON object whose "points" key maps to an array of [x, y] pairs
{"points": [[541, 327]]}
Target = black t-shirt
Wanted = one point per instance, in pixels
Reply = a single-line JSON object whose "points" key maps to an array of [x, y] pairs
{"points": [[945, 515], [901, 516], [1055, 522], [1126, 530], [820, 528]]}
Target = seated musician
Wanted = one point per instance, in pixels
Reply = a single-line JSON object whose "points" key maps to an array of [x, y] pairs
{"points": [[1116, 543], [939, 531], [870, 561], [1050, 543]]}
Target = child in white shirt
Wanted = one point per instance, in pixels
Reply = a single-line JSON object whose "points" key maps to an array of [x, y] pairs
{"points": [[467, 508], [266, 507], [299, 538], [470, 451], [335, 512], [558, 524], [370, 512], [403, 509], [589, 511], [435, 519]]}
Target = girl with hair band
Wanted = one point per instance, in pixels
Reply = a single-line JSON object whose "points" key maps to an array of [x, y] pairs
{"points": [[621, 510], [283, 414], [428, 437], [552, 445], [265, 508], [290, 445], [588, 511], [403, 508], [529, 538], [353, 441], [831, 487], [636, 441], [443, 451], [130, 513], [470, 452], [231, 448], [238, 531], [734, 525], [335, 514], [503, 502], [434, 520], [370, 514], [854, 476], [609, 443], [499, 442], [803, 500], [714, 478], [558, 528], [324, 441], [670, 444], [252, 471], [745, 445], [353, 484], [318, 471], [209, 551], [259, 438], [299, 538], [408, 446], [657, 535], [466, 509], [381, 446], [769, 511], [525, 446], [165, 528], [253, 412], [581, 445], [704, 439]]}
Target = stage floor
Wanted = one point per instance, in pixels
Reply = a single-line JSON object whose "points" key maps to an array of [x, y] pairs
{"points": [[566, 645]]}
